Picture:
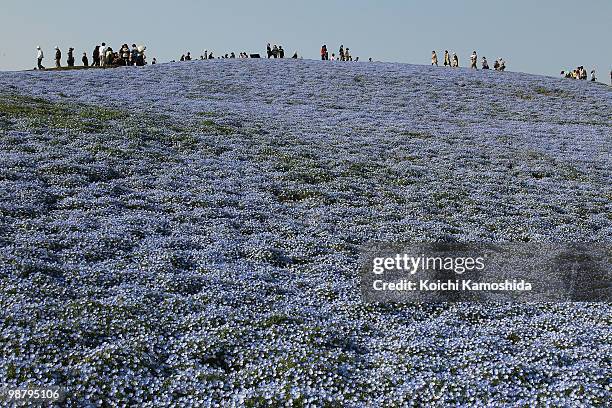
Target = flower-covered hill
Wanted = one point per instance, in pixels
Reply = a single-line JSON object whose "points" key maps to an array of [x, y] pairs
{"points": [[189, 233]]}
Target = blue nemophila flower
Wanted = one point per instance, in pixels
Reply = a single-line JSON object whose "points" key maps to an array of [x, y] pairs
{"points": [[188, 234]]}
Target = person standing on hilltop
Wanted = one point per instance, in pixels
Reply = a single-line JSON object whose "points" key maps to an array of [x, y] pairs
{"points": [[103, 50], [281, 52], [447, 62], [134, 54], [341, 53], [70, 59], [593, 78], [95, 57], [85, 60], [434, 58], [108, 56], [455, 63], [58, 57], [125, 54], [323, 51], [473, 60], [39, 57], [269, 50], [141, 58]]}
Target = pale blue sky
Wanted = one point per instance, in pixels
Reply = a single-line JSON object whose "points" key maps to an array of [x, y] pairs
{"points": [[541, 36]]}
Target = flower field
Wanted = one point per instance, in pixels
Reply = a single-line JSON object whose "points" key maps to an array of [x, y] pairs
{"points": [[188, 234]]}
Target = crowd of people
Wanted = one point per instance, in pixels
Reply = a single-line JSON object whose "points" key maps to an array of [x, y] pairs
{"points": [[453, 62], [275, 51], [105, 56], [102, 56], [580, 73], [209, 55], [344, 54]]}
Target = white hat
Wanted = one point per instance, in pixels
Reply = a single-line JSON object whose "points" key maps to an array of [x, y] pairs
{"points": [[38, 47], [56, 47]]}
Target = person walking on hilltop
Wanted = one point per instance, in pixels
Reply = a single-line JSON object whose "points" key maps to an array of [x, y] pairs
{"points": [[323, 52], [281, 52], [39, 57], [58, 57], [269, 50], [455, 63], [434, 58], [85, 60], [473, 60], [447, 62], [341, 53], [347, 55], [70, 59]]}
